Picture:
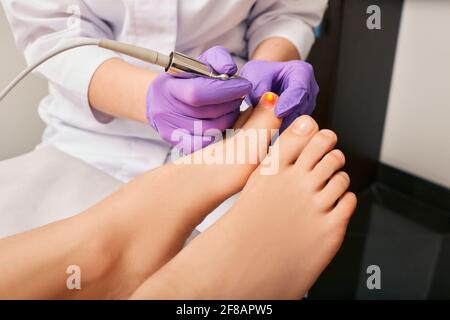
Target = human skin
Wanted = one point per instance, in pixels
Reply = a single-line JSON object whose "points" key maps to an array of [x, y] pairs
{"points": [[127, 237], [276, 49], [271, 244], [127, 85]]}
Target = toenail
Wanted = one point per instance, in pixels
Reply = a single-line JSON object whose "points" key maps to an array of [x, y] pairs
{"points": [[269, 100], [329, 133], [344, 175], [303, 126], [339, 154]]}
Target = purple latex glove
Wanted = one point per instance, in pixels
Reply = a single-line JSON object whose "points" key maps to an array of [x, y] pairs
{"points": [[184, 108], [293, 81]]}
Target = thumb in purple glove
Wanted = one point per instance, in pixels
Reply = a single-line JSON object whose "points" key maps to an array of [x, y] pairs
{"points": [[188, 111], [293, 81]]}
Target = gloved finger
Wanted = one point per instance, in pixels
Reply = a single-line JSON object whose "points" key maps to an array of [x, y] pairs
{"points": [[201, 127], [220, 59], [221, 123], [211, 111], [297, 89], [289, 119], [306, 107], [183, 139], [308, 104], [292, 98], [204, 91], [202, 133]]}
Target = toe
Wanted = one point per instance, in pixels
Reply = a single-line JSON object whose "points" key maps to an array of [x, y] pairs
{"points": [[332, 162], [294, 139], [243, 118], [345, 207], [263, 115], [257, 128], [334, 189], [322, 143]]}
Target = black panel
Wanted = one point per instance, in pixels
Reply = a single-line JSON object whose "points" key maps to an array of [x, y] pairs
{"points": [[353, 67], [364, 70], [324, 58], [402, 223], [407, 236]]}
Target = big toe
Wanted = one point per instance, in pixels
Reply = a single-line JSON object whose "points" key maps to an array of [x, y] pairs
{"points": [[257, 126], [294, 139], [263, 115]]}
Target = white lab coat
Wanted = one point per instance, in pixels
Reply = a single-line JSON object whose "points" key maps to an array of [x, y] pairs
{"points": [[119, 147]]}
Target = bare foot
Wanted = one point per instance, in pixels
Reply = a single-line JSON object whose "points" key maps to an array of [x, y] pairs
{"points": [[165, 205], [120, 242], [279, 236]]}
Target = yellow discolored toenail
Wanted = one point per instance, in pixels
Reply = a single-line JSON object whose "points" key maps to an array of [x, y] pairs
{"points": [[269, 99]]}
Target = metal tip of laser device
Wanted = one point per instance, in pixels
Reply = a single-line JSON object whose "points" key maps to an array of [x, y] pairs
{"points": [[223, 77]]}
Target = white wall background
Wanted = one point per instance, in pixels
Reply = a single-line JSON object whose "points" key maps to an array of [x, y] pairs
{"points": [[417, 132], [20, 126]]}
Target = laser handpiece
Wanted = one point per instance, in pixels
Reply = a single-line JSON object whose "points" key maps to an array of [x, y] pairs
{"points": [[173, 63]]}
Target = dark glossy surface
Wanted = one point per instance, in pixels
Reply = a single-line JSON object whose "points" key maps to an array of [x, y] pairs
{"points": [[397, 229]]}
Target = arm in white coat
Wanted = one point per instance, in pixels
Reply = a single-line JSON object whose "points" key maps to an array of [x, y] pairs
{"points": [[292, 20], [40, 26]]}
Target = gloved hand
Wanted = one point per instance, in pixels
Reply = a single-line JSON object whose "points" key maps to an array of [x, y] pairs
{"points": [[293, 81], [183, 108]]}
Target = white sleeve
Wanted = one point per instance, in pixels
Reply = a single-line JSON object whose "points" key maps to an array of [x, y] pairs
{"points": [[293, 20], [40, 26]]}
